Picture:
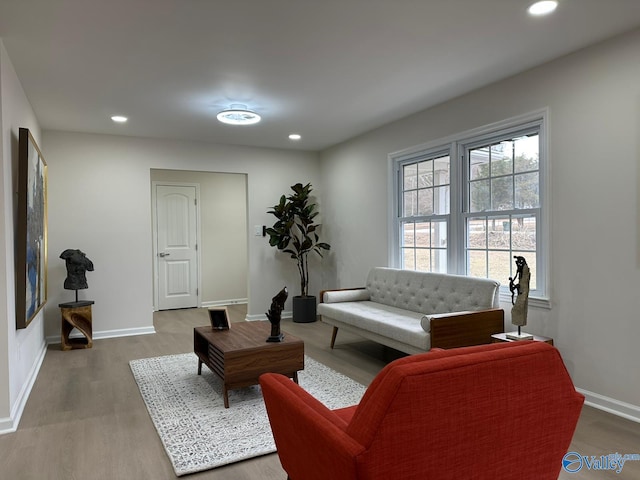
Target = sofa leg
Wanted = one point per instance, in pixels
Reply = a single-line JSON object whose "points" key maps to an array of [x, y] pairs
{"points": [[333, 336]]}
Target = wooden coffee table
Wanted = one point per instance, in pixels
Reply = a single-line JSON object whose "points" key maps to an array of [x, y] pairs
{"points": [[241, 354]]}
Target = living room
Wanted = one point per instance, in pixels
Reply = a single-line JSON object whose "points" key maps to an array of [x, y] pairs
{"points": [[99, 194]]}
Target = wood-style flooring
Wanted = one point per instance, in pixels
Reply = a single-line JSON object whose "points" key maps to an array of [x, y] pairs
{"points": [[85, 418]]}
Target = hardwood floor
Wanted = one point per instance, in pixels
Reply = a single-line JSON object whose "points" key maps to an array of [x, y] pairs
{"points": [[85, 418]]}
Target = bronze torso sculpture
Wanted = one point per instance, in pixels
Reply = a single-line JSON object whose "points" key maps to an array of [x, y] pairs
{"points": [[77, 264]]}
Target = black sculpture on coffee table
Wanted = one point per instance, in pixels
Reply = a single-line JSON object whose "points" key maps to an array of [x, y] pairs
{"points": [[274, 315]]}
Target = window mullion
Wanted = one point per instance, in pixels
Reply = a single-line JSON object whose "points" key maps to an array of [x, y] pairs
{"points": [[456, 226]]}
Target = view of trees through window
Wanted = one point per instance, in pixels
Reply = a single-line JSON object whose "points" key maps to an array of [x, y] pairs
{"points": [[498, 215], [426, 205], [503, 205]]}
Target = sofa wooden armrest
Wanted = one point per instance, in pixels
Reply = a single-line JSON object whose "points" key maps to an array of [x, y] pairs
{"points": [[462, 329]]}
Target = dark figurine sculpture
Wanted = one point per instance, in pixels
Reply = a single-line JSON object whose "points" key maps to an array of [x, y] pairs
{"points": [[77, 264], [514, 288], [277, 304], [520, 293]]}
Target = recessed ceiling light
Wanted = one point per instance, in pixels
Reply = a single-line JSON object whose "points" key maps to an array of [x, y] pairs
{"points": [[295, 136], [119, 118], [238, 115], [543, 8]]}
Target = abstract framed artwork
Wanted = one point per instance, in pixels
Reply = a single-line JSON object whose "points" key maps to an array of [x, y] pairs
{"points": [[31, 231]]}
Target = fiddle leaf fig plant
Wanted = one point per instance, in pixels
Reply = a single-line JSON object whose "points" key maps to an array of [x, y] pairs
{"points": [[295, 231]]}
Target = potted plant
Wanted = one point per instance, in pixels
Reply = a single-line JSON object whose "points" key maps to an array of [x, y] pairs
{"points": [[296, 233]]}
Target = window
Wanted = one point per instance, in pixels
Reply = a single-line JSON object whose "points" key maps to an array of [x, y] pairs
{"points": [[470, 203], [426, 193]]}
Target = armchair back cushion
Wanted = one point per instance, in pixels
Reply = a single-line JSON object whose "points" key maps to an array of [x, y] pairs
{"points": [[501, 411]]}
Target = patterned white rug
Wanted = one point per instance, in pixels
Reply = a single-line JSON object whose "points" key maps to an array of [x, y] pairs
{"points": [[198, 433]]}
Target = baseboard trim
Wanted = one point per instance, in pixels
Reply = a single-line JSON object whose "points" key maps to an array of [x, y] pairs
{"points": [[611, 405], [221, 303], [7, 426], [124, 332], [10, 425]]}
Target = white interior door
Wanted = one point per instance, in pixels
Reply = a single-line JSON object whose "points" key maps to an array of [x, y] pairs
{"points": [[176, 248]]}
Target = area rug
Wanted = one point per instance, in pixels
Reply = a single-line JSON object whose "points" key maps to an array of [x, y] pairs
{"points": [[198, 433]]}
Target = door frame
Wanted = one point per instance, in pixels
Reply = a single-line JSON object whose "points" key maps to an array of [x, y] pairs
{"points": [[154, 235]]}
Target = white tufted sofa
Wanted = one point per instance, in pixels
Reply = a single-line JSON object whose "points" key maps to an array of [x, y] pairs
{"points": [[415, 311]]}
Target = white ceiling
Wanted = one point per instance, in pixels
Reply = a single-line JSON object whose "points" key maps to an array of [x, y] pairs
{"points": [[327, 69]]}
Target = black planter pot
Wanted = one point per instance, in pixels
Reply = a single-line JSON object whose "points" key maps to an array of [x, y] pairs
{"points": [[304, 309]]}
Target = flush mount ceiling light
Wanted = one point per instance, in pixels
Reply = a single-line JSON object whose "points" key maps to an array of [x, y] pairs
{"points": [[238, 115], [543, 8], [295, 136], [119, 118]]}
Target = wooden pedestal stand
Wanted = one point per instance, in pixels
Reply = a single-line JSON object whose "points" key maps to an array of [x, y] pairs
{"points": [[76, 315]]}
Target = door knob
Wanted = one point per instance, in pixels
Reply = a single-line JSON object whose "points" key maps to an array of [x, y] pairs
{"points": [[163, 254]]}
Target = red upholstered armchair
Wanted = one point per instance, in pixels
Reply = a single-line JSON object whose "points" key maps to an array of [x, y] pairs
{"points": [[498, 412]]}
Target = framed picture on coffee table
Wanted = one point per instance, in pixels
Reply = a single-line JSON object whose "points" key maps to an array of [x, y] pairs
{"points": [[219, 318]]}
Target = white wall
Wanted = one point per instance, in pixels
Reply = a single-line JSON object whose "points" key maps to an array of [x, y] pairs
{"points": [[21, 351], [594, 103], [224, 237], [100, 202]]}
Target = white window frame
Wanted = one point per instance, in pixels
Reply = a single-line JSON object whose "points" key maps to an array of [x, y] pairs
{"points": [[457, 145]]}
